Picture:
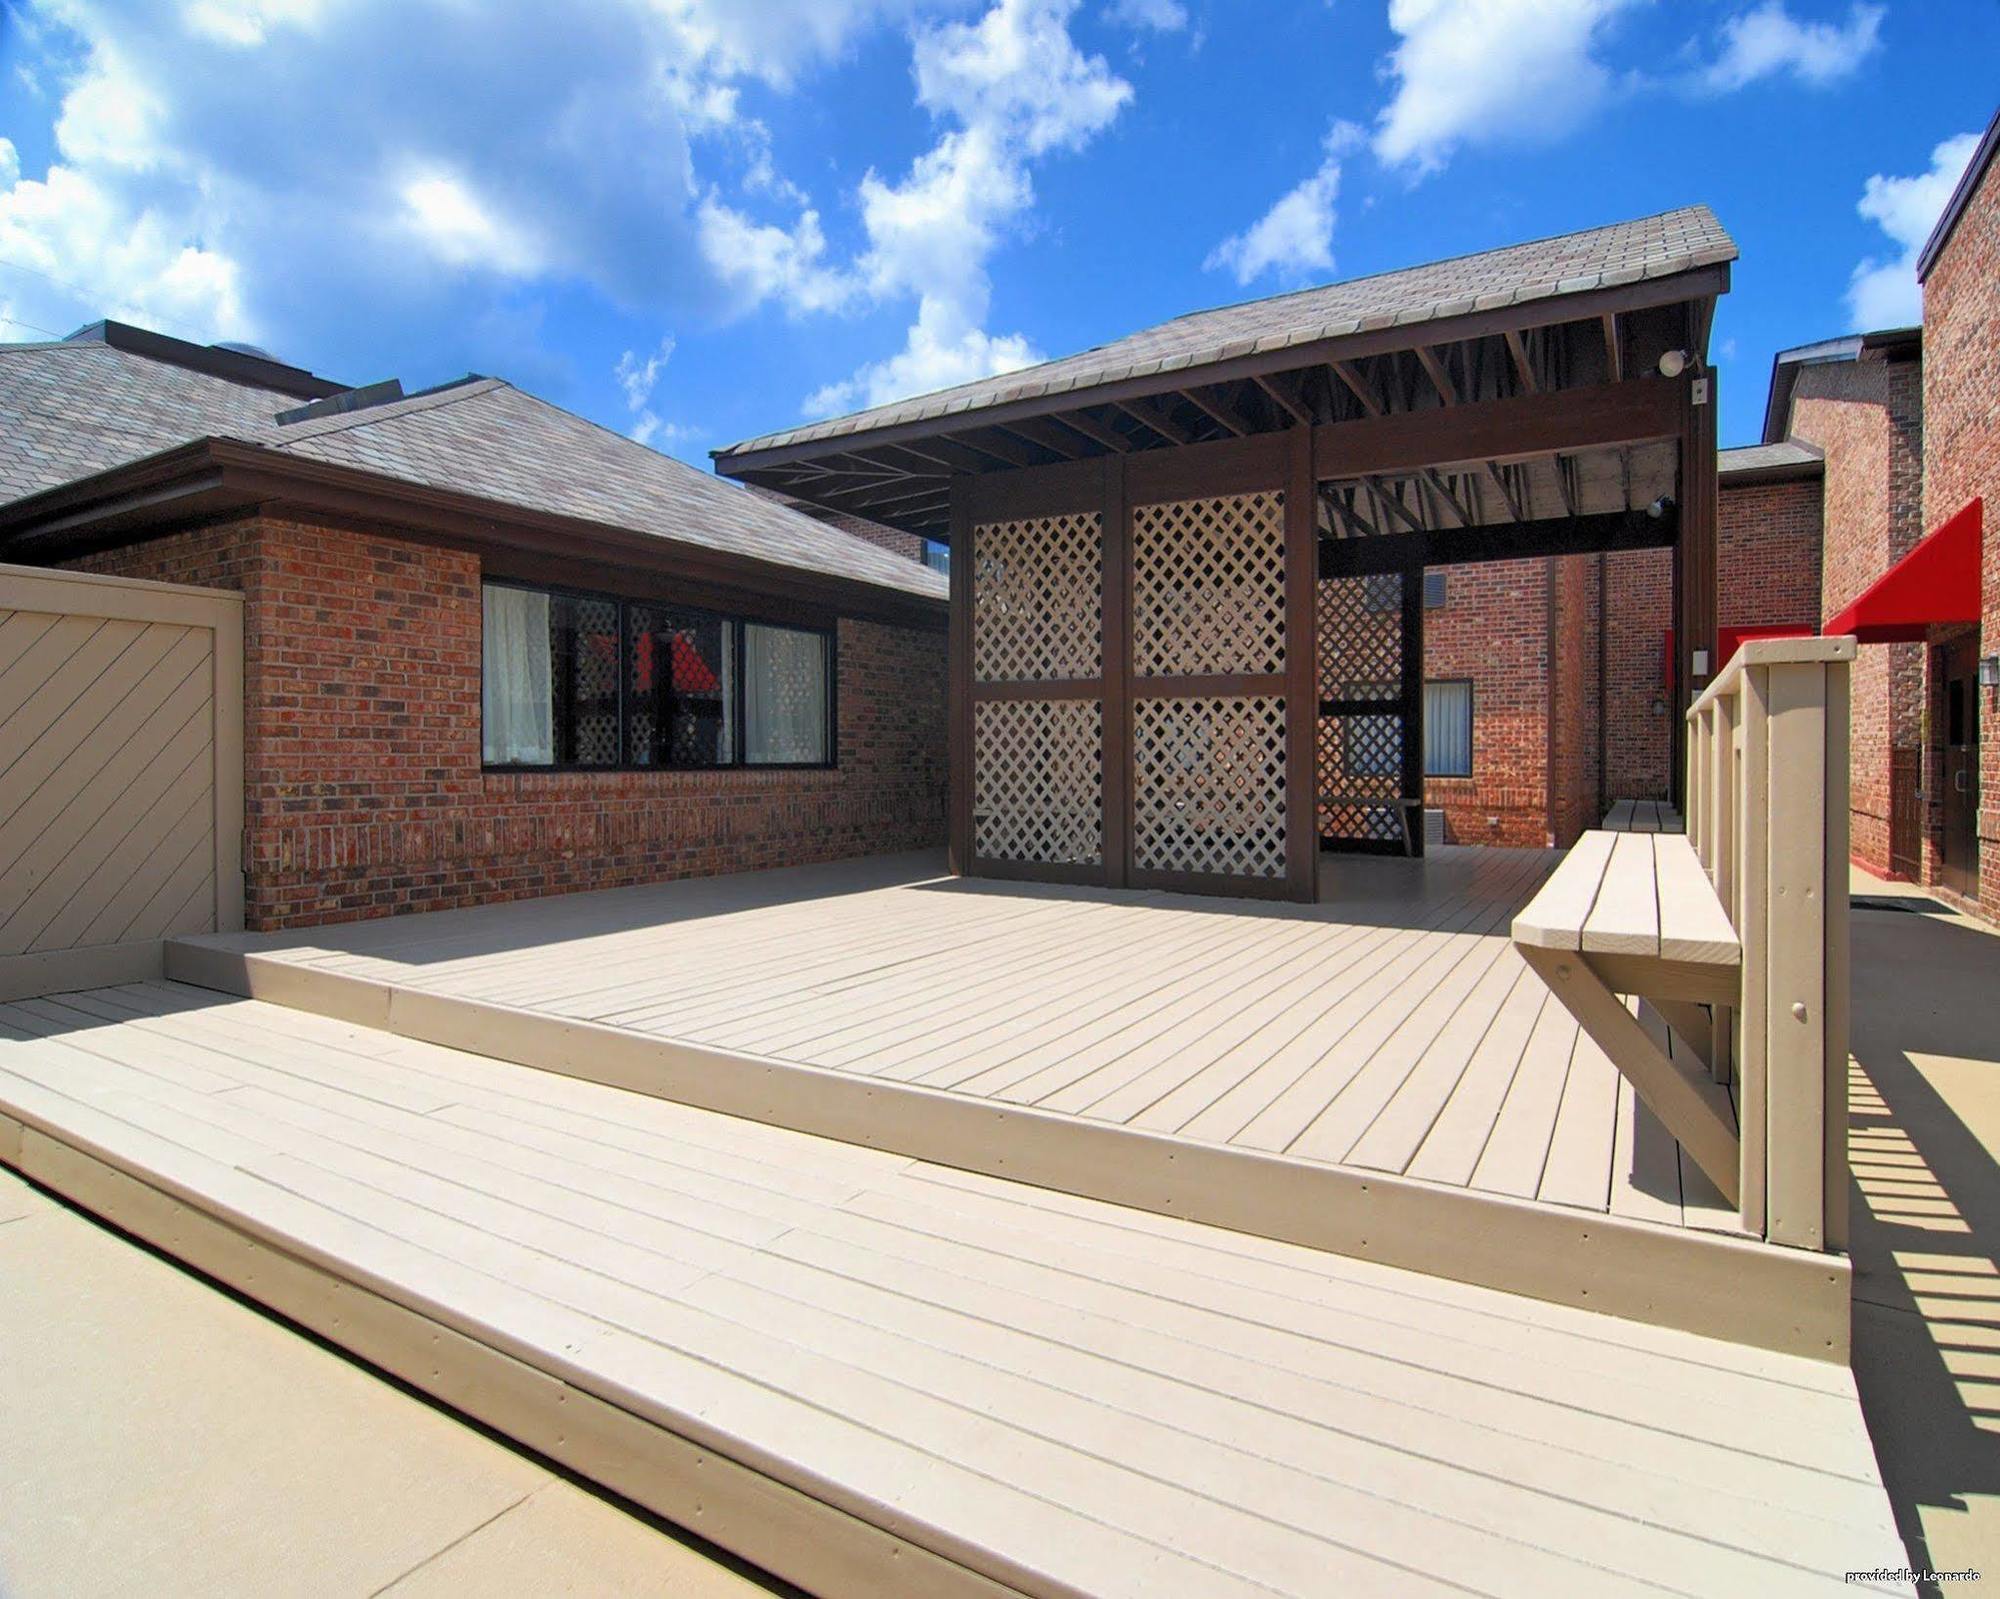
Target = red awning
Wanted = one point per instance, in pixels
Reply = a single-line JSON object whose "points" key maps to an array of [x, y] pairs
{"points": [[1936, 583]]}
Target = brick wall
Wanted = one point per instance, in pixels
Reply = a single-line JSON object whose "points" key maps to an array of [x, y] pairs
{"points": [[1962, 453], [1493, 629], [364, 789], [1866, 415], [1638, 718]]}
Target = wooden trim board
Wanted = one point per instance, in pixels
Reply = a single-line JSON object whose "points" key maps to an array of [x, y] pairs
{"points": [[1788, 1300], [649, 1454], [62, 971]]}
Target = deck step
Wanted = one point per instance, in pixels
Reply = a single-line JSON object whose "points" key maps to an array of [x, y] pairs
{"points": [[1687, 1278], [875, 1375]]}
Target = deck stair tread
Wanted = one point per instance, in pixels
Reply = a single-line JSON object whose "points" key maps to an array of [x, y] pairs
{"points": [[1058, 1395]]}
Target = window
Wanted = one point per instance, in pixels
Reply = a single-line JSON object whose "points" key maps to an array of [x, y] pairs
{"points": [[588, 682], [784, 696], [937, 556], [1448, 729]]}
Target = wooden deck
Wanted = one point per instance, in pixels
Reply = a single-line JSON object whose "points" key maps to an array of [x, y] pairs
{"points": [[876, 1375], [1328, 1075]]}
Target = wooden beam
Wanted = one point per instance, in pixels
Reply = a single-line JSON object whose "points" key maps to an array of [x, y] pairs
{"points": [[1524, 369], [1515, 429], [1223, 415], [1387, 500], [1506, 491], [1148, 414], [1427, 358], [1614, 360], [1566, 483], [932, 453], [1556, 535], [1001, 446], [1356, 386], [1037, 430], [1091, 428], [1273, 386]]}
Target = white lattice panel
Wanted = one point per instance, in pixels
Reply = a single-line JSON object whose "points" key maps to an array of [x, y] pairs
{"points": [[1209, 786], [1037, 599], [1208, 586], [1037, 787]]}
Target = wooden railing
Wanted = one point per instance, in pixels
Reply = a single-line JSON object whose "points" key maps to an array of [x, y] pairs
{"points": [[1767, 815]]}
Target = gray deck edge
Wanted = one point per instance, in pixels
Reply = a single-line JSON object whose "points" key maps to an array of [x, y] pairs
{"points": [[647, 1453], [1792, 1301]]}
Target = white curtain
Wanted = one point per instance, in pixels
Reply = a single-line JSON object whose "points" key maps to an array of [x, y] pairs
{"points": [[516, 690], [1448, 729], [784, 695]]}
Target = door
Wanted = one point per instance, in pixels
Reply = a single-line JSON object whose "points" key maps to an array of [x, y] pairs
{"points": [[1961, 770]]}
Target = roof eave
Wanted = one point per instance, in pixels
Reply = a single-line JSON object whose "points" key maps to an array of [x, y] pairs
{"points": [[1961, 196], [1699, 283], [210, 478]]}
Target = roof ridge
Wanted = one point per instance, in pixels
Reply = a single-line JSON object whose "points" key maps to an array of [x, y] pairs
{"points": [[409, 405]]}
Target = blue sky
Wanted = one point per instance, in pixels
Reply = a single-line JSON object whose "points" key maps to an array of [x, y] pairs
{"points": [[699, 220]]}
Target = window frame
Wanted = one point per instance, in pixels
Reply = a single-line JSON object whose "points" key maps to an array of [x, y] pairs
{"points": [[1471, 726], [738, 631]]}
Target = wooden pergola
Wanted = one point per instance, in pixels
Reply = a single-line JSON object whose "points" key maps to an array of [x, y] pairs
{"points": [[1141, 535]]}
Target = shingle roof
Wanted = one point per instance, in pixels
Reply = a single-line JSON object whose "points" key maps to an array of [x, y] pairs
{"points": [[1626, 252], [69, 411], [1785, 454]]}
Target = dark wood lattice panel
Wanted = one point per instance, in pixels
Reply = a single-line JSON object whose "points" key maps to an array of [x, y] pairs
{"points": [[678, 687], [1209, 786], [1360, 768], [1037, 599], [1038, 784], [1208, 586], [590, 704], [1360, 635]]}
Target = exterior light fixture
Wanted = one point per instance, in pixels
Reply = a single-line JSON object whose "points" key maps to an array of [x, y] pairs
{"points": [[1660, 507], [1673, 363], [1989, 671]]}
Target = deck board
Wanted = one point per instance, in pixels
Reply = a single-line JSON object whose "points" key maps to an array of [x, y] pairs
{"points": [[1069, 1396], [1390, 1027]]}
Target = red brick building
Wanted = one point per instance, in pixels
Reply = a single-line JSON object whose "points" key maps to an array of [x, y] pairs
{"points": [[1960, 272], [704, 681]]}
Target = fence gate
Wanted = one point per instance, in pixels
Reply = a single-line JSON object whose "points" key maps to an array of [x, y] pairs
{"points": [[121, 775], [1370, 645]]}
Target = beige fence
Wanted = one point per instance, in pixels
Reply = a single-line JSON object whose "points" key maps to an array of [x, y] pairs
{"points": [[121, 774], [1767, 815]]}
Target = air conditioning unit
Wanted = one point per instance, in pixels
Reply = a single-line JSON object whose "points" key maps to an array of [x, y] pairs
{"points": [[1433, 826]]}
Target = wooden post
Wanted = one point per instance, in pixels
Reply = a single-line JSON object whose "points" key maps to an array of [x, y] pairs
{"points": [[1301, 670], [1411, 693], [1753, 930], [1794, 1016], [1837, 954], [1116, 666], [958, 708], [1721, 821]]}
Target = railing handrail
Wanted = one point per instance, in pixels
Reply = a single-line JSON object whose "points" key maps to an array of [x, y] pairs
{"points": [[1772, 652]]}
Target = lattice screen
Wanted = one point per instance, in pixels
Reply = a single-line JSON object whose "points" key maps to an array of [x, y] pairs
{"points": [[1360, 631], [592, 739], [1360, 776], [1209, 785], [1037, 589], [1038, 790], [1208, 586]]}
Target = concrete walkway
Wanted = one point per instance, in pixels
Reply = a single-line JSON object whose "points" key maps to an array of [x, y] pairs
{"points": [[308, 1474], [1924, 1136]]}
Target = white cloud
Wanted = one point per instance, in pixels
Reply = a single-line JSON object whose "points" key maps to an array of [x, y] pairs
{"points": [[1885, 294], [1017, 88], [1488, 72], [269, 168], [639, 378], [1163, 16], [1294, 239], [762, 261], [1768, 40], [459, 229]]}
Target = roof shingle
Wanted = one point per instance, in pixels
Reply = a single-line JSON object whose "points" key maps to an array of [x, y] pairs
{"points": [[1573, 263]]}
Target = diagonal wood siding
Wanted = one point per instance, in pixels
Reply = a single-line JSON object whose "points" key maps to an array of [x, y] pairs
{"points": [[120, 772]]}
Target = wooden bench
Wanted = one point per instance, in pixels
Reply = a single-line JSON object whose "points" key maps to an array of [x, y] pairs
{"points": [[1644, 816], [1633, 913]]}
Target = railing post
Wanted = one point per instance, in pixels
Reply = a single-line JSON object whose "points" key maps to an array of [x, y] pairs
{"points": [[1837, 955], [1752, 930], [1720, 822], [1795, 1017]]}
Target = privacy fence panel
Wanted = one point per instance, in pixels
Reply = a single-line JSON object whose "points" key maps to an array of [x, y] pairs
{"points": [[121, 774]]}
